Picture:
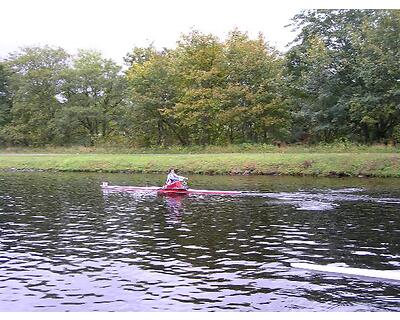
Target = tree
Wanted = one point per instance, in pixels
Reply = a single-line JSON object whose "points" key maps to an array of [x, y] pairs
{"points": [[232, 91], [341, 73], [208, 92], [154, 90], [92, 97], [375, 102], [35, 87], [315, 92], [5, 95], [254, 105], [197, 59]]}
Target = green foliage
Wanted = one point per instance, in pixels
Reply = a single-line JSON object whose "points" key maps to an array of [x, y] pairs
{"points": [[339, 83], [93, 95], [153, 90], [375, 99], [5, 101], [207, 91], [5, 95], [35, 85], [344, 74], [254, 103], [57, 99]]}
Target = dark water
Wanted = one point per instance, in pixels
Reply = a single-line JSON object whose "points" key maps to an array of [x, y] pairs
{"points": [[66, 246]]}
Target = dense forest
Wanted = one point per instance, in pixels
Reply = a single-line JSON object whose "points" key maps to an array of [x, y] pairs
{"points": [[338, 81]]}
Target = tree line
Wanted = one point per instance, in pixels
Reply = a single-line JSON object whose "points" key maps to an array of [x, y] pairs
{"points": [[340, 79]]}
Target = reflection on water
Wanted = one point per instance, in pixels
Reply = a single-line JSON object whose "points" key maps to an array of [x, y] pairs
{"points": [[67, 246], [175, 207]]}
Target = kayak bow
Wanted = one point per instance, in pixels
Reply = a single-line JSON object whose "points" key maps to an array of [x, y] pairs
{"points": [[108, 188]]}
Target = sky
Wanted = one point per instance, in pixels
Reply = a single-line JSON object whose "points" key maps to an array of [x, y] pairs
{"points": [[115, 27]]}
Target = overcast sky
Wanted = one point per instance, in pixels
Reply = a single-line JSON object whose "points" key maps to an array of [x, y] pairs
{"points": [[114, 27]]}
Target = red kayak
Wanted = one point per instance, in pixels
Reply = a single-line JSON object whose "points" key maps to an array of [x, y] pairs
{"points": [[164, 191]]}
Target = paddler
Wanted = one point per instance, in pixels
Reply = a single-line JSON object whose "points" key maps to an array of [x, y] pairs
{"points": [[174, 181]]}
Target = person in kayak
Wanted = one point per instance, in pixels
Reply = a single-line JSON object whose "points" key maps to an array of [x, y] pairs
{"points": [[174, 181]]}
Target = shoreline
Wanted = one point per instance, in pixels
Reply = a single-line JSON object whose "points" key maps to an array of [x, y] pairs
{"points": [[283, 164]]}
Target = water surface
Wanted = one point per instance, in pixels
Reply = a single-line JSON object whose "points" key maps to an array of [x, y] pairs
{"points": [[67, 246]]}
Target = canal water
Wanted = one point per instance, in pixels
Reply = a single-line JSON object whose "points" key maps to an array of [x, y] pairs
{"points": [[65, 245]]}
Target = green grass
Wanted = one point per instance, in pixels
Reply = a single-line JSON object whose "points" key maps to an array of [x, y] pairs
{"points": [[316, 164]]}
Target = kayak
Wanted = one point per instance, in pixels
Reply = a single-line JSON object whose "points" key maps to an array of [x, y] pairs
{"points": [[159, 190]]}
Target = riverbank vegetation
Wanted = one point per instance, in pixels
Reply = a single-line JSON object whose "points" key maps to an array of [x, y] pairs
{"points": [[338, 82], [314, 164], [338, 147]]}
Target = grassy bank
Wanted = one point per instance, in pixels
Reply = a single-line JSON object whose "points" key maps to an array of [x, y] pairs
{"points": [[318, 164]]}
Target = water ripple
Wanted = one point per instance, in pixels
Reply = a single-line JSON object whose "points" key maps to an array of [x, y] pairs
{"points": [[62, 251]]}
